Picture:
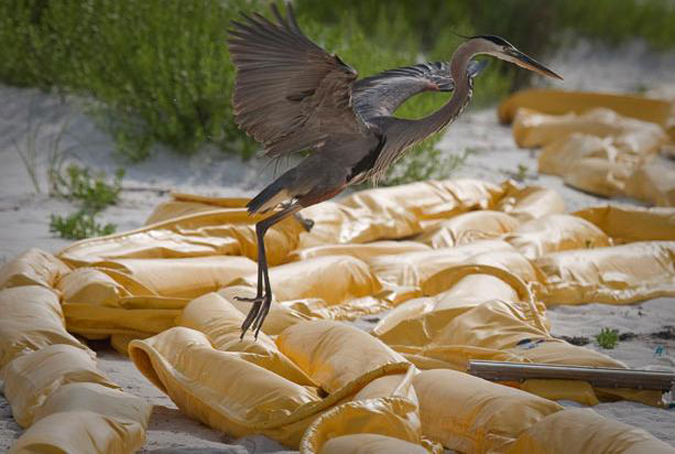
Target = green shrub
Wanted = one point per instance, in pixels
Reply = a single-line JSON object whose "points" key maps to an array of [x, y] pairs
{"points": [[160, 65], [79, 225], [161, 71], [93, 194], [92, 191], [607, 338]]}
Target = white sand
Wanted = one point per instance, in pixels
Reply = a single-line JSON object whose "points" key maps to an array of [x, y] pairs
{"points": [[24, 220]]}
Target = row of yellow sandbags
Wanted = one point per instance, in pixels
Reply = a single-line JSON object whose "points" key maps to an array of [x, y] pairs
{"points": [[329, 387], [53, 384], [603, 144], [129, 291], [364, 278]]}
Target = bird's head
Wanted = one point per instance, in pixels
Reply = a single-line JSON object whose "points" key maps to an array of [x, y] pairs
{"points": [[504, 50]]}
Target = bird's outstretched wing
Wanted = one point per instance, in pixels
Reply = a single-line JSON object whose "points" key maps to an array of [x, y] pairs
{"points": [[381, 94], [289, 93]]}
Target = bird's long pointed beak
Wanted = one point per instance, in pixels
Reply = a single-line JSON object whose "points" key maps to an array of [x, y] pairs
{"points": [[526, 62]]}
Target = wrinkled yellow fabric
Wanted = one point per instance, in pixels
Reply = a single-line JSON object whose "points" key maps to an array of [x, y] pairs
{"points": [[224, 231], [220, 388], [366, 252], [448, 306], [91, 285], [31, 378], [392, 417], [87, 418], [220, 321], [97, 322], [556, 102], [33, 267], [553, 389], [370, 444], [583, 430], [427, 200], [534, 129], [530, 202], [334, 354], [468, 227], [414, 269], [614, 275], [464, 413], [555, 232], [626, 224], [31, 319], [232, 394], [333, 278], [653, 183], [602, 152], [387, 407], [184, 277]]}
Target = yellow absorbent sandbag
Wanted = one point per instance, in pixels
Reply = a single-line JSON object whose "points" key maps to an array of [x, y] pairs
{"points": [[386, 407], [603, 167], [182, 204], [218, 232], [583, 430], [416, 330], [468, 227], [653, 183], [394, 212], [365, 252], [530, 202], [413, 269], [335, 279], [613, 275], [280, 317], [449, 338], [31, 319], [556, 232], [333, 354], [30, 379], [472, 415], [184, 277], [92, 286], [367, 443], [33, 267], [427, 200], [87, 418], [231, 394], [389, 423], [220, 388], [510, 261], [221, 322], [557, 102], [626, 224], [534, 129]]}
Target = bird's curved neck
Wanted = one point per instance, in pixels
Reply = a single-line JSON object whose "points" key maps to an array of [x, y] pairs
{"points": [[451, 110]]}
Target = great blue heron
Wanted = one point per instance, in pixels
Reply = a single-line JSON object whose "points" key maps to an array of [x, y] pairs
{"points": [[291, 95]]}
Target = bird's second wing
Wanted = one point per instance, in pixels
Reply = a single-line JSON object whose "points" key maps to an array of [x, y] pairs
{"points": [[289, 93], [383, 93]]}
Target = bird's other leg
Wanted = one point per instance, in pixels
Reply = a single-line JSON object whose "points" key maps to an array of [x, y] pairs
{"points": [[263, 299]]}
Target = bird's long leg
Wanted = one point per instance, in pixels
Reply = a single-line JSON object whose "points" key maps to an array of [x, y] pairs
{"points": [[263, 299]]}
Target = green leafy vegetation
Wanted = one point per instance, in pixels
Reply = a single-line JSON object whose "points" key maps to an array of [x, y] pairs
{"points": [[92, 191], [79, 225], [159, 70], [424, 162], [607, 338], [93, 194]]}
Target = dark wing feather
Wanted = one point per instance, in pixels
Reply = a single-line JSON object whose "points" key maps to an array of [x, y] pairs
{"points": [[289, 93], [381, 94]]}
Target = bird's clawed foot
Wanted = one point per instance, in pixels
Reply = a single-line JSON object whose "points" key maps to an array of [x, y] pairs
{"points": [[257, 314]]}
